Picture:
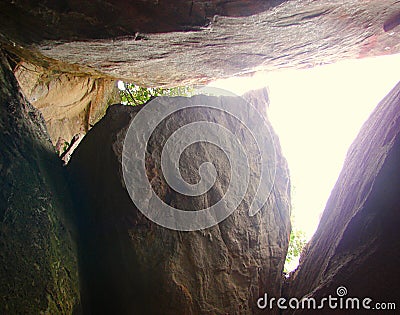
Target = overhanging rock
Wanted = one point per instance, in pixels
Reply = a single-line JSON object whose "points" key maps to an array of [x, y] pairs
{"points": [[156, 43]]}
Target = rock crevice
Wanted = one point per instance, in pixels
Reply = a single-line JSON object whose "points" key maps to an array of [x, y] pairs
{"points": [[357, 244]]}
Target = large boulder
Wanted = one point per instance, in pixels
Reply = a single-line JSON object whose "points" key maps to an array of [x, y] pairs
{"points": [[147, 41], [134, 266], [357, 243], [38, 253]]}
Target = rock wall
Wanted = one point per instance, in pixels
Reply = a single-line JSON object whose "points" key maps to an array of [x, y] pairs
{"points": [[38, 254], [147, 41], [357, 242], [132, 265], [69, 104]]}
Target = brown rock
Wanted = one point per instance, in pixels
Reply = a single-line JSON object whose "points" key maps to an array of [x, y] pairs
{"points": [[69, 104], [132, 265], [357, 243]]}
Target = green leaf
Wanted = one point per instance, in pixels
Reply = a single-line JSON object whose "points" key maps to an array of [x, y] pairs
{"points": [[136, 95]]}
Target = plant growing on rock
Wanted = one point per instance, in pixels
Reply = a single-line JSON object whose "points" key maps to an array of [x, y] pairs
{"points": [[296, 244], [132, 94]]}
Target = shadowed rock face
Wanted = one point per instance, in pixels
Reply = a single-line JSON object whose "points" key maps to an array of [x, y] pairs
{"points": [[148, 41], [71, 19], [38, 256], [357, 243], [132, 265]]}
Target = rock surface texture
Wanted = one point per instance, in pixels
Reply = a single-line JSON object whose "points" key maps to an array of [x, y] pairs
{"points": [[38, 255], [147, 41], [131, 265], [127, 263], [357, 243], [69, 104]]}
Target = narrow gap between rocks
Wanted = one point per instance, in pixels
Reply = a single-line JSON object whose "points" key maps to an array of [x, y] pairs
{"points": [[317, 113]]}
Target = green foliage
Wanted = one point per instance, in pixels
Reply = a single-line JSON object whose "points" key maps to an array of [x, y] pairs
{"points": [[136, 95], [64, 146], [296, 244]]}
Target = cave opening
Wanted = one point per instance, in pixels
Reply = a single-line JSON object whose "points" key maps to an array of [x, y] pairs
{"points": [[72, 241], [317, 113]]}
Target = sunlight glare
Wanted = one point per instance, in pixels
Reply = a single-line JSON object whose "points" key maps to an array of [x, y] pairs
{"points": [[317, 113]]}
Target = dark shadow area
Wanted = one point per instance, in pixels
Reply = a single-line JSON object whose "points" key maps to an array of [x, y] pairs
{"points": [[38, 254], [36, 21]]}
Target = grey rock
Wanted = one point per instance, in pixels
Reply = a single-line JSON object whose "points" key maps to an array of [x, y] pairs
{"points": [[180, 42], [132, 265]]}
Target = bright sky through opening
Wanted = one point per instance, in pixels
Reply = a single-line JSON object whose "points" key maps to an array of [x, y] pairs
{"points": [[317, 113]]}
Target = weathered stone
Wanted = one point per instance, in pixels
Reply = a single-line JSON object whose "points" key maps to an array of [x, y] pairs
{"points": [[132, 265], [180, 42], [38, 254], [357, 243], [70, 105]]}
